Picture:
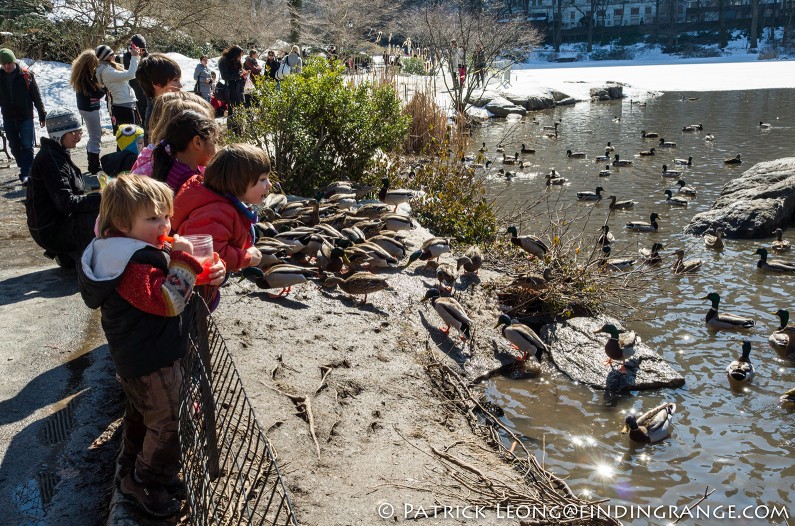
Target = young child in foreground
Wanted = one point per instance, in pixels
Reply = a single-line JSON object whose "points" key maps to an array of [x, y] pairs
{"points": [[217, 204], [142, 291]]}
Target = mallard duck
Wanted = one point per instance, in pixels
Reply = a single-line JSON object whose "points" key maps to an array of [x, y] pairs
{"points": [[606, 237], [742, 370], [681, 267], [684, 189], [689, 128], [665, 144], [717, 320], [772, 265], [510, 160], [596, 195], [525, 149], [613, 263], [606, 172], [354, 234], [358, 283], [431, 249], [452, 314], [670, 173], [609, 147], [553, 128], [371, 255], [532, 281], [697, 127], [471, 261], [675, 200], [603, 158], [483, 149], [297, 240], [276, 199], [397, 222], [576, 155], [780, 244], [684, 162], [616, 118], [445, 274], [617, 161], [642, 226], [714, 241], [651, 256], [372, 210], [500, 148], [784, 337], [765, 125], [709, 137], [278, 277], [620, 205], [331, 258], [652, 135], [788, 397], [522, 338], [530, 244], [394, 197], [554, 178], [620, 345], [733, 160], [652, 426], [393, 246], [647, 153]]}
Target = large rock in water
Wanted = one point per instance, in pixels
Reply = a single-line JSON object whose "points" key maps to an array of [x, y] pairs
{"points": [[753, 205], [502, 107], [580, 353]]}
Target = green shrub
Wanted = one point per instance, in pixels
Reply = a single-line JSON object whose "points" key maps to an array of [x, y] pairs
{"points": [[413, 66], [319, 128]]}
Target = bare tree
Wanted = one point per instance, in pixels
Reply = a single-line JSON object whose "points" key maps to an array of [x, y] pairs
{"points": [[753, 37], [436, 26], [347, 24]]}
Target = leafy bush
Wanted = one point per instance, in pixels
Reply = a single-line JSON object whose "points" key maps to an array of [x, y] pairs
{"points": [[413, 66], [319, 128], [453, 202]]}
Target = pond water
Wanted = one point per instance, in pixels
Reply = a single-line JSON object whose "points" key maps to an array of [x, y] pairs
{"points": [[739, 443]]}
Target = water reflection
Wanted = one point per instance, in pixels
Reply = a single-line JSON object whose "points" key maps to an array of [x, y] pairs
{"points": [[738, 441]]}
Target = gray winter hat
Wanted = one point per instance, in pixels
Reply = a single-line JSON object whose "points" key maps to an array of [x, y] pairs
{"points": [[61, 121], [104, 52]]}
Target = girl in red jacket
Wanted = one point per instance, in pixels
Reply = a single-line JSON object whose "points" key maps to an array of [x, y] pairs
{"points": [[218, 203]]}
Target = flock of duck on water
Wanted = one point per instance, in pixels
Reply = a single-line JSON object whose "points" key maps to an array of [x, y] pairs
{"points": [[654, 425]]}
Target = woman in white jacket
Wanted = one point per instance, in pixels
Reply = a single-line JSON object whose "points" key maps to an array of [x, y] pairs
{"points": [[115, 79]]}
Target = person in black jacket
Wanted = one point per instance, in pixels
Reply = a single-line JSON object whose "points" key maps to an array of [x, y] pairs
{"points": [[18, 94], [89, 95], [233, 74], [143, 101], [60, 214], [271, 65]]}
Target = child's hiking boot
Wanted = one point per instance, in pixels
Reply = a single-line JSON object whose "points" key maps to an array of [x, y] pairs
{"points": [[154, 499]]}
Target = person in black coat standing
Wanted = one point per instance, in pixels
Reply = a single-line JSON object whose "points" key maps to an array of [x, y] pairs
{"points": [[271, 65], [60, 214], [233, 74], [18, 94]]}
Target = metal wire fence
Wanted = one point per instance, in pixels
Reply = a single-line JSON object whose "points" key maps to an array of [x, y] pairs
{"points": [[230, 472]]}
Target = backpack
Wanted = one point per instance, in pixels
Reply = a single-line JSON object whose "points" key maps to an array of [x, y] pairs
{"points": [[284, 70], [222, 91]]}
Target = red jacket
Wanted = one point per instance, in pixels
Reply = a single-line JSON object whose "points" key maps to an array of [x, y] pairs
{"points": [[199, 210]]}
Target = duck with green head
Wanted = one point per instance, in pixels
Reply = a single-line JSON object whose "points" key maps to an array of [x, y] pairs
{"points": [[522, 338], [675, 200], [652, 426], [651, 256], [642, 226], [596, 195], [452, 314], [394, 197], [772, 265], [620, 345], [724, 321], [278, 277], [614, 263], [530, 244], [742, 370], [432, 248], [784, 338]]}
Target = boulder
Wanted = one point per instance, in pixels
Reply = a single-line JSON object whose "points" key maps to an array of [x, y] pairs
{"points": [[578, 352], [612, 91], [568, 101], [600, 94], [481, 98], [753, 205], [536, 102], [502, 107]]}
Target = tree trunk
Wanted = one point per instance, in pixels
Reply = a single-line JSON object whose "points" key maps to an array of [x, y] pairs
{"points": [[723, 37], [559, 26], [295, 24], [754, 24]]}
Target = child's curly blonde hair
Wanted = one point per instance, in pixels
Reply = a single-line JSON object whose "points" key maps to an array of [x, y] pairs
{"points": [[128, 194]]}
